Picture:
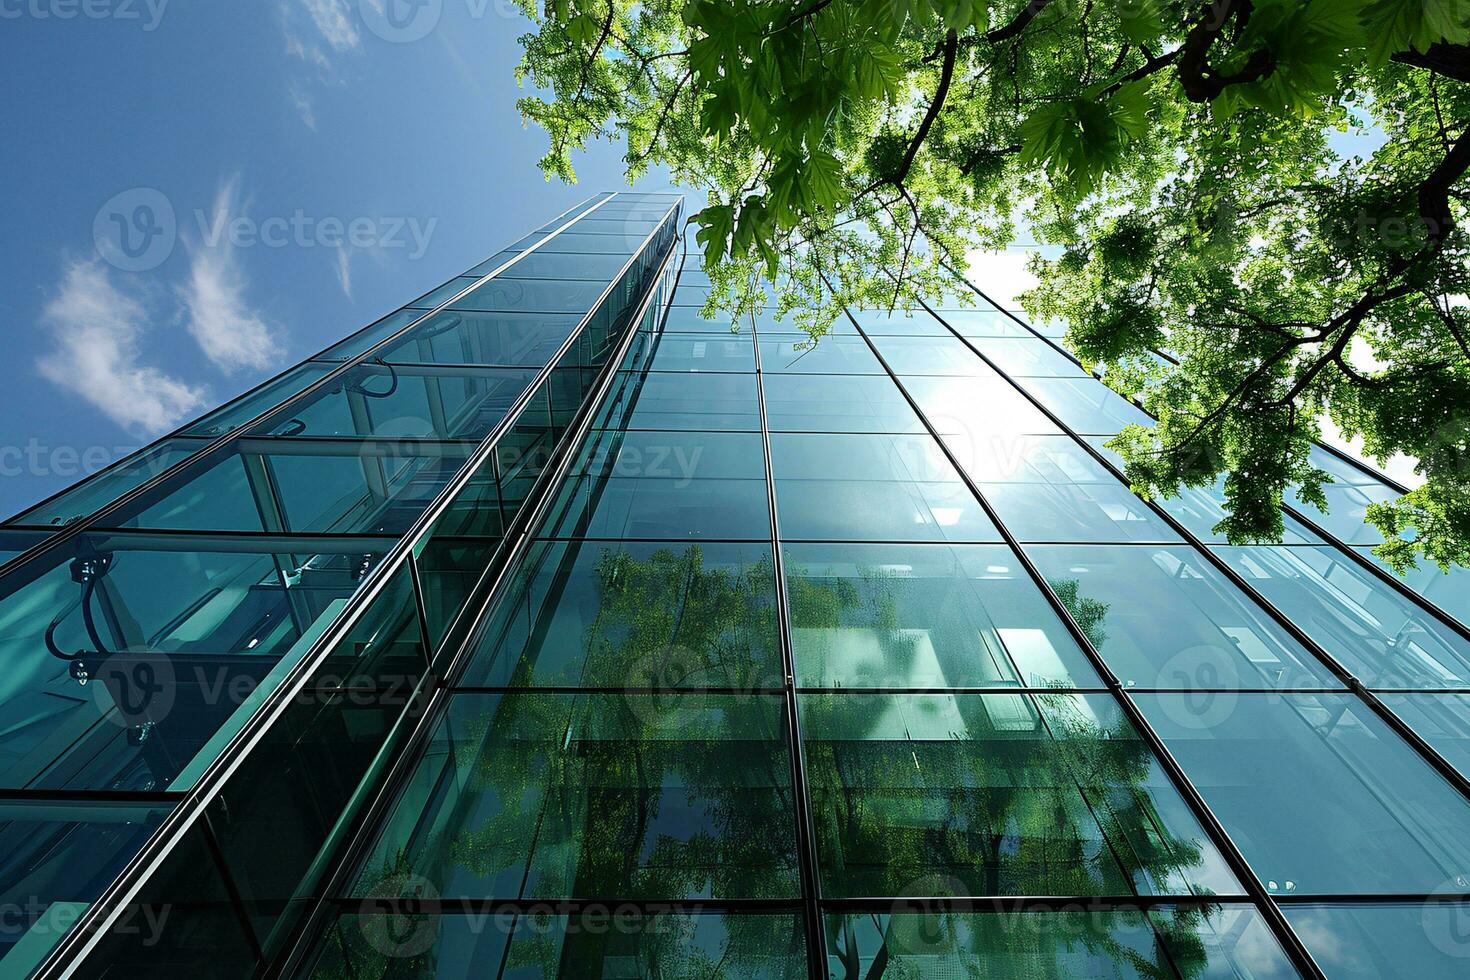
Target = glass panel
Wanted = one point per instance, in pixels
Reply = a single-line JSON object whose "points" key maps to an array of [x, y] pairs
{"points": [[607, 797], [1164, 618], [1385, 640], [984, 323], [98, 491], [693, 352], [1320, 795], [924, 616], [660, 509], [150, 645], [248, 408], [1230, 942], [872, 488], [1442, 720], [995, 794], [1450, 591], [443, 294], [981, 406], [1386, 942], [1086, 405], [502, 339], [584, 243], [339, 486], [1090, 512], [556, 265], [676, 401], [627, 944], [921, 355], [1029, 357], [899, 323], [370, 336], [533, 295], [405, 402], [830, 403], [58, 858], [799, 354], [634, 615]]}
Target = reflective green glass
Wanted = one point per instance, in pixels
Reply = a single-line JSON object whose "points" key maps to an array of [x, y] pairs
{"points": [[58, 858], [608, 797], [1164, 618], [622, 943], [499, 339], [1385, 640], [693, 352], [924, 616], [1218, 942], [684, 401], [556, 265], [443, 294], [659, 509], [1319, 794], [634, 615], [590, 244], [833, 403], [103, 488], [533, 295], [1442, 720], [872, 488], [943, 795], [1450, 591], [130, 656], [405, 402], [667, 455], [1403, 941], [799, 354]]}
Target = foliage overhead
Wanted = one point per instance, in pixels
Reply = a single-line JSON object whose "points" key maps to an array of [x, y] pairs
{"points": [[1178, 155]]}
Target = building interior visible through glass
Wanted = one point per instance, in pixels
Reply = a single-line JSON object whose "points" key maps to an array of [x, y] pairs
{"points": [[549, 628]]}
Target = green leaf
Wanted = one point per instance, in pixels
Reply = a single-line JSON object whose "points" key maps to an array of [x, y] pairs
{"points": [[715, 224], [822, 181]]}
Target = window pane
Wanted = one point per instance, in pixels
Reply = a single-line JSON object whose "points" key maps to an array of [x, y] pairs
{"points": [[533, 295], [371, 946], [635, 615], [1214, 943], [1385, 942], [502, 339], [1164, 618], [443, 294], [899, 323], [872, 488], [676, 401], [376, 333], [693, 352], [981, 407], [557, 265], [102, 489], [1321, 796], [638, 796], [799, 354], [924, 616], [984, 323], [1023, 357], [1086, 405], [249, 407], [660, 509], [1442, 720], [1450, 591], [946, 355], [995, 794], [828, 403], [1385, 640]]}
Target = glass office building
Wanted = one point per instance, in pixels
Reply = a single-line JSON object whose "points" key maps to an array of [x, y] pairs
{"points": [[548, 629]]}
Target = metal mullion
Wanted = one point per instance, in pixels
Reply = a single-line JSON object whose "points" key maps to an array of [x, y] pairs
{"points": [[806, 843], [79, 943], [1354, 685], [1331, 540], [1233, 856]]}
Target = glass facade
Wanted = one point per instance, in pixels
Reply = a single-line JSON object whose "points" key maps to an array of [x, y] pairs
{"points": [[636, 646]]}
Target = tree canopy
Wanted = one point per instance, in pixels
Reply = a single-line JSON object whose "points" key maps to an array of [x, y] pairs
{"points": [[1179, 153]]}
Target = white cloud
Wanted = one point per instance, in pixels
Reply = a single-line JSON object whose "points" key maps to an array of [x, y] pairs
{"points": [[230, 333], [97, 329], [304, 106], [344, 270], [1002, 275], [333, 20]]}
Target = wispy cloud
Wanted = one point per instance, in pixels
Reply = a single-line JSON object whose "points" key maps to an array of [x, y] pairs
{"points": [[98, 328], [319, 33], [215, 309], [343, 269], [304, 106]]}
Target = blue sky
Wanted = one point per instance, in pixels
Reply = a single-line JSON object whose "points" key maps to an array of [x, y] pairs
{"points": [[323, 166]]}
